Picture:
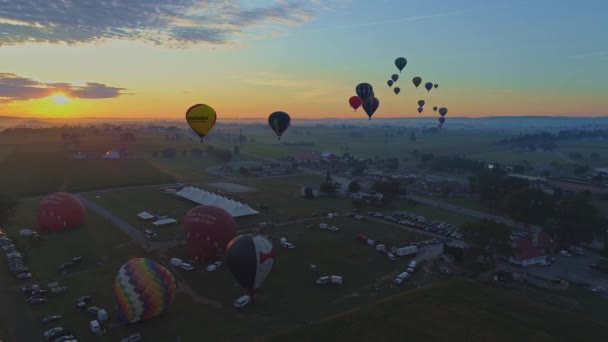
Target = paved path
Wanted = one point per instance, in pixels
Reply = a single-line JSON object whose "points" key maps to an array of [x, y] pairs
{"points": [[469, 212], [135, 234]]}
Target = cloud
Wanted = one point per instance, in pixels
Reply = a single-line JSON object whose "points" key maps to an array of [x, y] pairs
{"points": [[174, 23], [16, 88]]}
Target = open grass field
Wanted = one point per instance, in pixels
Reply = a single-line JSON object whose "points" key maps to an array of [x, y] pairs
{"points": [[458, 310], [360, 141]]}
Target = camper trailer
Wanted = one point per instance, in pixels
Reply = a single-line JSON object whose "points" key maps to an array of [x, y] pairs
{"points": [[401, 277], [406, 251], [412, 266]]}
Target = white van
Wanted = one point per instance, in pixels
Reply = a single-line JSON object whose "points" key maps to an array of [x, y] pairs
{"points": [[95, 327], [176, 262], [102, 315], [323, 280]]}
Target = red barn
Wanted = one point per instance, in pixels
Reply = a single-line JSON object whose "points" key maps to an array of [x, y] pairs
{"points": [[60, 211]]}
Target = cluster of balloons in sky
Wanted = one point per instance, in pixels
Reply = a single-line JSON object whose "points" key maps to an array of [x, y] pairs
{"points": [[366, 98], [144, 288], [202, 117]]}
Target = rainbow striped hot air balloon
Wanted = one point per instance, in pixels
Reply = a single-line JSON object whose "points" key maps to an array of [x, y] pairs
{"points": [[142, 289]]}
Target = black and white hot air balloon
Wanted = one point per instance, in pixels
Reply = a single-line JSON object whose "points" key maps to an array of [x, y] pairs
{"points": [[250, 258]]}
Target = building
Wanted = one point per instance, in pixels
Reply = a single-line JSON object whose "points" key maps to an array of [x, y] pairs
{"points": [[330, 157], [579, 185], [526, 254], [306, 157]]}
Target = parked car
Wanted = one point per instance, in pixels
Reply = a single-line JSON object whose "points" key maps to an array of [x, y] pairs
{"points": [[24, 276], [565, 253], [52, 318], [93, 310], [85, 299], [242, 301], [38, 301], [64, 338], [30, 288], [77, 260], [132, 338], [53, 332]]}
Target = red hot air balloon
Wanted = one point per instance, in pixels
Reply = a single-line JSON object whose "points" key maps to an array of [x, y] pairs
{"points": [[208, 230], [355, 102], [60, 211]]}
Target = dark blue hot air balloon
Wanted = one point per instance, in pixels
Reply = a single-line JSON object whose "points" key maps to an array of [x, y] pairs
{"points": [[279, 122]]}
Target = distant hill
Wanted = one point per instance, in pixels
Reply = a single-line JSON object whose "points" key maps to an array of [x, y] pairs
{"points": [[457, 310]]}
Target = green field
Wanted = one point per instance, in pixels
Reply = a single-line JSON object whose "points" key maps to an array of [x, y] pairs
{"points": [[458, 310]]}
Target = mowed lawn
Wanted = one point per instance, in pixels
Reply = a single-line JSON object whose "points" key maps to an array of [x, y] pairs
{"points": [[458, 310], [290, 294]]}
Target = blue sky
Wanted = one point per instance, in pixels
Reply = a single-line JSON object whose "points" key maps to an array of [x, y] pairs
{"points": [[515, 57]]}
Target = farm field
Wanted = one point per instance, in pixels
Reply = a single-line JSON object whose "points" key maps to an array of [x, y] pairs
{"points": [[290, 289], [476, 313]]}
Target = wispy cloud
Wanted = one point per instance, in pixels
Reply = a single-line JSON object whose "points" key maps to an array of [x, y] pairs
{"points": [[175, 23], [16, 88]]}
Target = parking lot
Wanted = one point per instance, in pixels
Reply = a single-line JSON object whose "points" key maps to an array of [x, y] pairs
{"points": [[574, 269]]}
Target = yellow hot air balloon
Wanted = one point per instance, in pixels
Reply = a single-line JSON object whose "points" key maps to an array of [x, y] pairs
{"points": [[201, 119]]}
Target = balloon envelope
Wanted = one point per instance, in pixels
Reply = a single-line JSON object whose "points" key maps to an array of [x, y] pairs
{"points": [[421, 103], [435, 109], [60, 211], [279, 122], [420, 109], [364, 90], [394, 77], [436, 85], [397, 90], [443, 111], [370, 106], [441, 120], [400, 63], [355, 102], [390, 83], [428, 86], [201, 119], [142, 289], [208, 230], [250, 258], [416, 80]]}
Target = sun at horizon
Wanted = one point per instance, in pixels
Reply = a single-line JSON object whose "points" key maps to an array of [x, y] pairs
{"points": [[60, 99]]}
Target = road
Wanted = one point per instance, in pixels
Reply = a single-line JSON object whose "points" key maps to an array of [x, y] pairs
{"points": [[469, 212], [135, 234]]}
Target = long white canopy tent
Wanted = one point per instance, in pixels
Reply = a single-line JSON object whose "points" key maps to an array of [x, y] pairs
{"points": [[200, 196]]}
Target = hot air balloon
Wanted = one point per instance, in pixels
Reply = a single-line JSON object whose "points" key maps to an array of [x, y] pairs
{"points": [[60, 211], [443, 111], [416, 80], [435, 109], [441, 120], [355, 102], [279, 122], [201, 119], [390, 83], [370, 105], [400, 63], [208, 230], [394, 77], [142, 289], [364, 90], [397, 90], [250, 258], [428, 86], [436, 85], [420, 110], [421, 103]]}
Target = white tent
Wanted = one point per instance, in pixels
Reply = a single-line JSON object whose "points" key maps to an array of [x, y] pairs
{"points": [[145, 215], [164, 222], [236, 209]]}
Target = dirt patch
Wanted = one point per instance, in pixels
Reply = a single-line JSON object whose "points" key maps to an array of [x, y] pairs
{"points": [[233, 187]]}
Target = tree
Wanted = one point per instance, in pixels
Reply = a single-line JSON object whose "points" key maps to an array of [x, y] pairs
{"points": [[594, 156], [354, 186], [8, 206], [327, 188], [392, 163], [196, 152], [575, 155], [244, 171], [581, 169], [486, 238], [519, 168], [236, 150], [531, 206], [576, 221], [308, 194]]}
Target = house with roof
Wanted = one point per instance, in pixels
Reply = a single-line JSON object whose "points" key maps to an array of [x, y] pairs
{"points": [[526, 253], [330, 157], [306, 157]]}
